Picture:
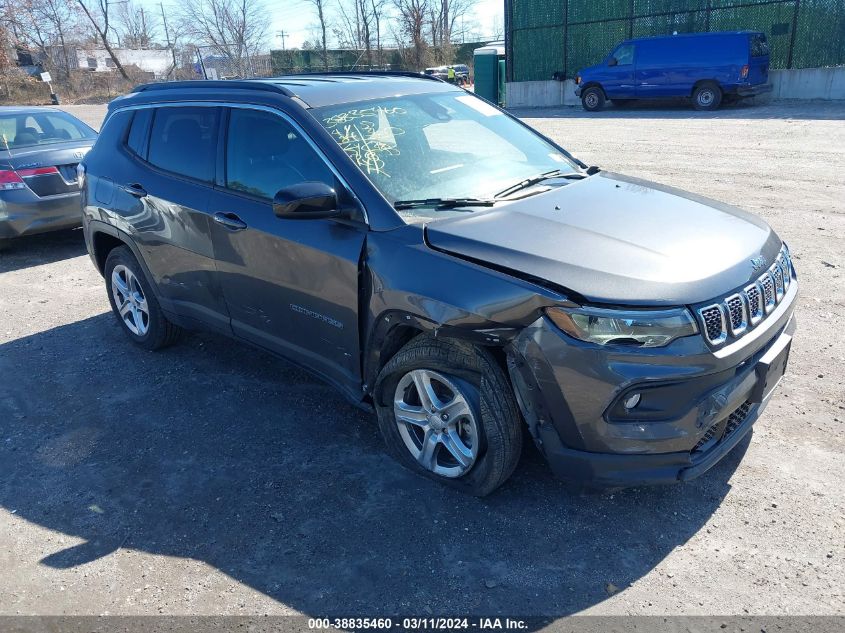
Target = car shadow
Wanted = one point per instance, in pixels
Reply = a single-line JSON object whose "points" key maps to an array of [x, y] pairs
{"points": [[45, 248], [214, 451], [746, 109]]}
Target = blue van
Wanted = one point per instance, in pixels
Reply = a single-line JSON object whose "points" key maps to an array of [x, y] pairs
{"points": [[708, 68]]}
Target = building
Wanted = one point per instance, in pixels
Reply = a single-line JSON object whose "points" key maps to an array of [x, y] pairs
{"points": [[156, 61], [548, 39]]}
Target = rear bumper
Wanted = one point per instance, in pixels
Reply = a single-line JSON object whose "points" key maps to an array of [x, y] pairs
{"points": [[24, 213], [752, 91]]}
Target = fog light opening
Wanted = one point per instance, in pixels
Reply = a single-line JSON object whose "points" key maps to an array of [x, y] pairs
{"points": [[631, 401]]}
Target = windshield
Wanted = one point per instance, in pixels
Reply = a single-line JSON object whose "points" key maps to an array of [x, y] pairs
{"points": [[30, 129], [441, 145]]}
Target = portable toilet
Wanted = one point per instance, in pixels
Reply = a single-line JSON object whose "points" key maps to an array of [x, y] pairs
{"points": [[487, 74]]}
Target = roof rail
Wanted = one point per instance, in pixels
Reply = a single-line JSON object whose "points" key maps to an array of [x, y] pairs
{"points": [[346, 73], [212, 83]]}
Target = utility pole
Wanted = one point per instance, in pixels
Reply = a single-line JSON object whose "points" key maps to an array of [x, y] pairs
{"points": [[172, 47], [282, 35]]}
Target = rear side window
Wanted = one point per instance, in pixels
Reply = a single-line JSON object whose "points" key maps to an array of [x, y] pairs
{"points": [[139, 132], [759, 45], [183, 141]]}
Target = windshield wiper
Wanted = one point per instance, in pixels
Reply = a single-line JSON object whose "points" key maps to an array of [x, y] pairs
{"points": [[443, 203], [533, 180]]}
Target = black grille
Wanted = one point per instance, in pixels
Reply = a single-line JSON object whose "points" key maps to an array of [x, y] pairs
{"points": [[706, 438], [768, 290], [777, 275], [723, 429], [755, 308], [736, 418], [736, 311], [713, 322]]}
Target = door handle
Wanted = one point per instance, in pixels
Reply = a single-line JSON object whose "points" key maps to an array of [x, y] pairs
{"points": [[135, 190], [230, 221]]}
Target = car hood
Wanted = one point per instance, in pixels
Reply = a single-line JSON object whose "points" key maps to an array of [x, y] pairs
{"points": [[616, 240]]}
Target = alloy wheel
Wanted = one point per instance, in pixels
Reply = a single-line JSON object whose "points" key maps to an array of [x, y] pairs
{"points": [[130, 300], [436, 423]]}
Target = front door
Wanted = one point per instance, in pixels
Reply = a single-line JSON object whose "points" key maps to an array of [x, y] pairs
{"points": [[291, 286], [618, 78]]}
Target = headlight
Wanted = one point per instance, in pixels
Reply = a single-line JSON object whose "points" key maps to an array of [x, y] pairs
{"points": [[636, 328]]}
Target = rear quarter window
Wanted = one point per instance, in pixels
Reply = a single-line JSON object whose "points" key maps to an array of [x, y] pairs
{"points": [[139, 129]]}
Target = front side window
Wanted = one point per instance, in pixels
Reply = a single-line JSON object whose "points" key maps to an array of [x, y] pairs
{"points": [[183, 141], [439, 145], [265, 153], [624, 55]]}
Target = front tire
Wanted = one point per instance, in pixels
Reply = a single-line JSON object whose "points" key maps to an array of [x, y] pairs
{"points": [[134, 303], [593, 99], [707, 96], [446, 410]]}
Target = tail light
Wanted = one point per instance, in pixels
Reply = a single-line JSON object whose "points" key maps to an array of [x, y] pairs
{"points": [[10, 180], [743, 74], [37, 171]]}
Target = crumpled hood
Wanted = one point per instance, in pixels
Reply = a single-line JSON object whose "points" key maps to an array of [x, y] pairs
{"points": [[617, 240]]}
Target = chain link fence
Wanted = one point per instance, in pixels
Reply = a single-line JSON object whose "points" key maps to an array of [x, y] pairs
{"points": [[561, 36]]}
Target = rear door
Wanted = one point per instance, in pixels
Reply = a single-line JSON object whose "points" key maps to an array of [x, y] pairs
{"points": [[291, 286], [160, 197], [758, 70]]}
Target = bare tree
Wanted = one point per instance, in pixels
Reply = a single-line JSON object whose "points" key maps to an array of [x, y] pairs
{"points": [[412, 16], [100, 21], [234, 29], [320, 5], [138, 25], [46, 27]]}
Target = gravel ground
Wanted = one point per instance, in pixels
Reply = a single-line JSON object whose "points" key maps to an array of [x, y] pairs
{"points": [[213, 479]]}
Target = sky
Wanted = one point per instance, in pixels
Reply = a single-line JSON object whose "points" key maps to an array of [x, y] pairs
{"points": [[298, 19]]}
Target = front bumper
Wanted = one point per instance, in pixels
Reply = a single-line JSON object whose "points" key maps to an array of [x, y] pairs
{"points": [[696, 406], [24, 213]]}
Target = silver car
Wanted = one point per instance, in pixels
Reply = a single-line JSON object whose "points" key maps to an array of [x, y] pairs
{"points": [[40, 149]]}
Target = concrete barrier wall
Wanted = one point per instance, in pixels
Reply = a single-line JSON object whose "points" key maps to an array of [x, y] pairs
{"points": [[804, 83]]}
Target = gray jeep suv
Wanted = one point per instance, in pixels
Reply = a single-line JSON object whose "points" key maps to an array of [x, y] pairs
{"points": [[444, 265]]}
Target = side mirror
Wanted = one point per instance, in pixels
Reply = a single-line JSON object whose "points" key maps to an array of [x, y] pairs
{"points": [[612, 61], [306, 201]]}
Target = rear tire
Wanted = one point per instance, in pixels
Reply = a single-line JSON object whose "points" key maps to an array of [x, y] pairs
{"points": [[707, 96], [134, 303], [593, 99], [468, 416]]}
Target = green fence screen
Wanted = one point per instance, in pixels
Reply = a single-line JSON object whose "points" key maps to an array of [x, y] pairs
{"points": [[545, 37]]}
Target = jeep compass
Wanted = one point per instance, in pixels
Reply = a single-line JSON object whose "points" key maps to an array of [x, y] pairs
{"points": [[445, 266]]}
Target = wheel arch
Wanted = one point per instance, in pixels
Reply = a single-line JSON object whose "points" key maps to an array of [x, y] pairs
{"points": [[104, 238], [593, 84], [394, 329], [702, 82]]}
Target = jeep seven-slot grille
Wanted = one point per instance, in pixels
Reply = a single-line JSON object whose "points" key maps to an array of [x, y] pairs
{"points": [[736, 314]]}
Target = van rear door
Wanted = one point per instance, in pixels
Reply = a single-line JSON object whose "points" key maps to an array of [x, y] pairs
{"points": [[758, 70]]}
